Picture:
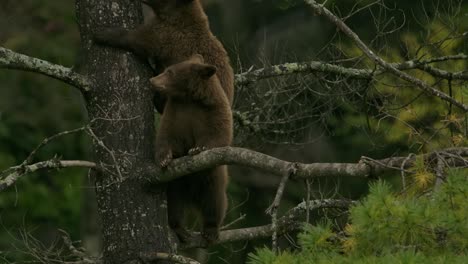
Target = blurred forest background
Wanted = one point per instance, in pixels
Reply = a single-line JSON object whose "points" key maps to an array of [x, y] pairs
{"points": [[305, 117]]}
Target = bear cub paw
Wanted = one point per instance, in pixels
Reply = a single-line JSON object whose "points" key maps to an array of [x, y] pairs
{"points": [[196, 150], [163, 159], [183, 234], [211, 234]]}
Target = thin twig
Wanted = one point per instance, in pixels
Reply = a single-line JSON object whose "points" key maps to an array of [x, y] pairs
{"points": [[78, 253], [44, 142], [402, 168], [307, 181], [235, 221], [111, 153], [273, 209]]}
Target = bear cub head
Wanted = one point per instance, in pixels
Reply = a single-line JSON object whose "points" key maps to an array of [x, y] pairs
{"points": [[186, 80]]}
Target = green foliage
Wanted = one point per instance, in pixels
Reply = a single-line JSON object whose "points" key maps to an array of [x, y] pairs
{"points": [[318, 239], [390, 228], [262, 256]]}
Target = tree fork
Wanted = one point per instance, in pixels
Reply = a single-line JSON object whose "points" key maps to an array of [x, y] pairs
{"points": [[133, 217]]}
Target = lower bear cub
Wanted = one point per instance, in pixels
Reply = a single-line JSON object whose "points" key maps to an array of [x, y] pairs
{"points": [[197, 116]]}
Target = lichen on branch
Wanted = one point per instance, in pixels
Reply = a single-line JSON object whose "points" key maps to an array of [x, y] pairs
{"points": [[13, 60]]}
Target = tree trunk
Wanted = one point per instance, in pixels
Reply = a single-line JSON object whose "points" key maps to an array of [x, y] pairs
{"points": [[133, 217]]}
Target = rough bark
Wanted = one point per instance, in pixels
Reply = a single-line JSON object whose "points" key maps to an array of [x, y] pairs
{"points": [[133, 217]]}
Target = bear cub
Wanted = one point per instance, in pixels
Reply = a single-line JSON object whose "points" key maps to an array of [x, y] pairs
{"points": [[197, 116], [178, 29]]}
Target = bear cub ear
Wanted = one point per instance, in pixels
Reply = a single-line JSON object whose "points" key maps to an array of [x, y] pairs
{"points": [[197, 58], [205, 71]]}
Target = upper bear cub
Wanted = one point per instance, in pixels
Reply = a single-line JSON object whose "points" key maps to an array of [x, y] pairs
{"points": [[197, 116], [179, 29]]}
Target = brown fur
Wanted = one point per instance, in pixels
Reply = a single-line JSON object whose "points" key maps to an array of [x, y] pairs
{"points": [[178, 30], [197, 116]]}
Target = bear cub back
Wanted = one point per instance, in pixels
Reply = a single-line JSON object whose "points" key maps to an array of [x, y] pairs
{"points": [[197, 116]]}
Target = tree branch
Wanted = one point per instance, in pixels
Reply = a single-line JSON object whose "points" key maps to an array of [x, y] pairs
{"points": [[173, 258], [251, 77], [14, 173], [366, 167], [321, 10], [298, 67], [289, 222], [12, 60]]}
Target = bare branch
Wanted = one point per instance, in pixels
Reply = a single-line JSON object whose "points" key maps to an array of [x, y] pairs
{"points": [[287, 223], [235, 221], [231, 155], [14, 173], [56, 251], [298, 67], [49, 139], [169, 257], [77, 252], [321, 10], [250, 77], [12, 60]]}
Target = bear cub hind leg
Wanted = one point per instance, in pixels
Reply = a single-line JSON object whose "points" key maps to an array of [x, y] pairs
{"points": [[177, 205], [214, 203]]}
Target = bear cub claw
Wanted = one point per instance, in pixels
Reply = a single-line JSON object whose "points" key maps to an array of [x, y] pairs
{"points": [[196, 150], [163, 159]]}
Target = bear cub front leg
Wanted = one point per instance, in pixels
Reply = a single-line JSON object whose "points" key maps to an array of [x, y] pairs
{"points": [[114, 37]]}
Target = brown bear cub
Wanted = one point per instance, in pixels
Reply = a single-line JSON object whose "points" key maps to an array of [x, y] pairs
{"points": [[197, 116], [179, 29]]}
